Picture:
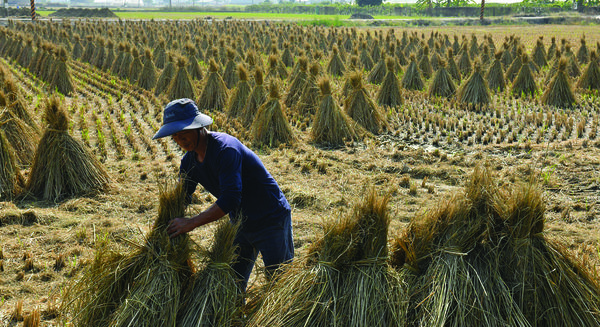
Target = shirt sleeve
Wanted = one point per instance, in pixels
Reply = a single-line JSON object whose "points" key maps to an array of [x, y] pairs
{"points": [[189, 185], [230, 179]]}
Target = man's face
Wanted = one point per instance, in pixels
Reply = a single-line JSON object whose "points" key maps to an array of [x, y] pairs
{"points": [[187, 140]]}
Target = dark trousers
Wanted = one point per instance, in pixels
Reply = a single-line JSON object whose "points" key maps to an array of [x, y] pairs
{"points": [[275, 243]]}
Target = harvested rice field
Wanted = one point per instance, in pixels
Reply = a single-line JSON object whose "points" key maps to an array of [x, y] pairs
{"points": [[458, 165]]}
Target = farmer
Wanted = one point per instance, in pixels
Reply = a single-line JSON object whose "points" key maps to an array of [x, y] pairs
{"points": [[242, 185]]}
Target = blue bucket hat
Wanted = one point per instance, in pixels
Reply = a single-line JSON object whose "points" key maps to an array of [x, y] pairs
{"points": [[181, 114]]}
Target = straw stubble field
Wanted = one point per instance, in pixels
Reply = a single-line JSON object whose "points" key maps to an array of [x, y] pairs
{"points": [[423, 153]]}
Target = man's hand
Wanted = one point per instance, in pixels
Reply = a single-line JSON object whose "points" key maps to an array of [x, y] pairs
{"points": [[180, 226]]}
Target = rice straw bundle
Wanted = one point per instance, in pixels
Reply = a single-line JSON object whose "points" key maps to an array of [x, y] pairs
{"points": [[77, 50], [61, 81], [552, 48], [412, 77], [573, 66], [181, 86], [166, 76], [464, 62], [193, 67], [554, 68], [331, 125], [110, 56], [365, 58], [481, 258], [136, 66], [16, 102], [100, 54], [495, 75], [389, 93], [123, 70], [21, 137], [425, 65], [148, 77], [117, 63], [89, 49], [62, 166], [286, 58], [298, 83], [212, 299], [590, 80], [442, 85], [559, 92], [270, 127], [524, 84], [310, 99], [378, 72], [273, 71], [142, 288], [485, 56], [214, 95], [539, 54], [160, 54], [361, 108], [515, 67], [336, 66], [11, 180], [230, 76], [452, 67], [239, 96], [475, 90], [344, 281], [257, 98], [583, 55]]}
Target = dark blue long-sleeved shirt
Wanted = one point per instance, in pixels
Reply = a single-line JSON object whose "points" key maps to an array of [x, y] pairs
{"points": [[238, 179]]}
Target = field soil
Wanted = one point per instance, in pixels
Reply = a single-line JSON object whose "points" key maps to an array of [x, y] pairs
{"points": [[320, 183]]}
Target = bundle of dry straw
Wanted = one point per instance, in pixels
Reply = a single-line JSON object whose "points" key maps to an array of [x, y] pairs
{"points": [[271, 127], [559, 92], [389, 93], [256, 99], [361, 108], [331, 125], [412, 77], [212, 299], [239, 97], [62, 166], [590, 79], [21, 136], [214, 95], [180, 86], [495, 75], [11, 180], [442, 85], [524, 83], [475, 90], [482, 259], [142, 288], [344, 280]]}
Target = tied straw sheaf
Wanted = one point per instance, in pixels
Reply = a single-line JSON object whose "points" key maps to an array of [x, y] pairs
{"points": [[155, 284]]}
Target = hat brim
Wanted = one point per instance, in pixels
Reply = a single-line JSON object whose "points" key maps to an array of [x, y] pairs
{"points": [[201, 120]]}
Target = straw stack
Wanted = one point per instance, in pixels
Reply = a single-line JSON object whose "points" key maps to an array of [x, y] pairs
{"points": [[214, 95], [62, 166], [270, 127], [481, 258], [141, 288], [11, 180], [331, 125], [559, 92], [343, 281]]}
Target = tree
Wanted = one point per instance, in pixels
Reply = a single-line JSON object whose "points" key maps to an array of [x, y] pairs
{"points": [[362, 3]]}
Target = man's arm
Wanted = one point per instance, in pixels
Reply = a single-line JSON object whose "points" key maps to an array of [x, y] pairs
{"points": [[180, 226]]}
